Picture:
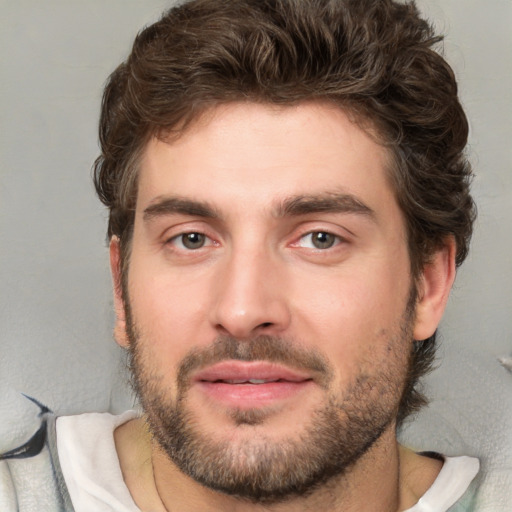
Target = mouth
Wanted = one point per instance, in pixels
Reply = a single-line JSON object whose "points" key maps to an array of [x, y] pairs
{"points": [[248, 385], [247, 381]]}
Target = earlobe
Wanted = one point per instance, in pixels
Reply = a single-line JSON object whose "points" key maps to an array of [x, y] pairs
{"points": [[434, 288], [115, 267]]}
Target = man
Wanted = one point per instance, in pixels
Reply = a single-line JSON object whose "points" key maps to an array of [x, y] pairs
{"points": [[288, 202]]}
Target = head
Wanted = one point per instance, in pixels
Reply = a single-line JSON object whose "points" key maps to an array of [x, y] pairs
{"points": [[370, 64]]}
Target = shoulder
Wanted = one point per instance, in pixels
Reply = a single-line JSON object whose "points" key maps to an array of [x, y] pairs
{"points": [[454, 488], [89, 459]]}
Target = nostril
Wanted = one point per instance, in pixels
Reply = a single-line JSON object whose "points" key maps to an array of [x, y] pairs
{"points": [[266, 324]]}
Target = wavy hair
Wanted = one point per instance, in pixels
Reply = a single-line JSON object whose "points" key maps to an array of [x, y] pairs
{"points": [[376, 59]]}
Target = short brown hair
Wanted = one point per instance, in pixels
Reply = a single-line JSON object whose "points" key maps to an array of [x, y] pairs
{"points": [[374, 58]]}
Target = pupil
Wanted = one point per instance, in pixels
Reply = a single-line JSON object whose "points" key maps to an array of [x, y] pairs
{"points": [[323, 240], [193, 240]]}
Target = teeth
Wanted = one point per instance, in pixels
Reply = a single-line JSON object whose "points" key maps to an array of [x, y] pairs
{"points": [[250, 381]]}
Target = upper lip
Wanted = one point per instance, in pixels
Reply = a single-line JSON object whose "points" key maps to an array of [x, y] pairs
{"points": [[243, 371]]}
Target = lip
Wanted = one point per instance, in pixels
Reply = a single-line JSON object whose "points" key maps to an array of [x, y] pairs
{"points": [[229, 383], [243, 370]]}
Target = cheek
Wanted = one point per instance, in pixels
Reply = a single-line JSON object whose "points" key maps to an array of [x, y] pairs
{"points": [[351, 317], [350, 303], [166, 309]]}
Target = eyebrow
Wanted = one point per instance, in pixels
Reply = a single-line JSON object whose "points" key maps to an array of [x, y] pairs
{"points": [[323, 203], [170, 205], [291, 207]]}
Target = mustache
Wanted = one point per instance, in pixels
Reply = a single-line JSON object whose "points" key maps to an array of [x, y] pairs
{"points": [[261, 348]]}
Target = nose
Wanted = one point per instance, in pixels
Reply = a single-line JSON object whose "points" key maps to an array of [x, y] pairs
{"points": [[250, 296]]}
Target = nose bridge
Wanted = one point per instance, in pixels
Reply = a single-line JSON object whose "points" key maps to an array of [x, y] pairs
{"points": [[250, 295]]}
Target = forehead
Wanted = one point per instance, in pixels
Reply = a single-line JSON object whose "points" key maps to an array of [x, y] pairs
{"points": [[247, 154]]}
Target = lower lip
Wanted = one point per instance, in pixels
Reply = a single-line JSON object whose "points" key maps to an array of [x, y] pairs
{"points": [[249, 396]]}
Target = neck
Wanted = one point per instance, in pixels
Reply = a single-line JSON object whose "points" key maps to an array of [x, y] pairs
{"points": [[386, 478]]}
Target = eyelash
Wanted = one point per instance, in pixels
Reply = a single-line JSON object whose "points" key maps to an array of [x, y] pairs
{"points": [[335, 240], [332, 241], [179, 239]]}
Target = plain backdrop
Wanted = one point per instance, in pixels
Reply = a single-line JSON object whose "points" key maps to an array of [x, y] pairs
{"points": [[55, 299]]}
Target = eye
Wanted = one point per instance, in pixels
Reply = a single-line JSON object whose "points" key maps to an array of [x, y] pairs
{"points": [[190, 241], [319, 240]]}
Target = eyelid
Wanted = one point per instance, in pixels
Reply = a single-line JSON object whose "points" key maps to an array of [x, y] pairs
{"points": [[305, 229], [173, 233], [338, 239], [176, 240]]}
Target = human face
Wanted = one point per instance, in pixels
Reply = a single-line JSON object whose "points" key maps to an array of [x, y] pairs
{"points": [[268, 247]]}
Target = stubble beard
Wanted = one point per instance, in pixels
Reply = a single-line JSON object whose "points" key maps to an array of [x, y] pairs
{"points": [[260, 468]]}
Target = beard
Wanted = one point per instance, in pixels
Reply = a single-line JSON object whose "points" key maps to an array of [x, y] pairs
{"points": [[257, 467]]}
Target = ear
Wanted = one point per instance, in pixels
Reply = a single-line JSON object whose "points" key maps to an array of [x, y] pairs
{"points": [[434, 287], [115, 267]]}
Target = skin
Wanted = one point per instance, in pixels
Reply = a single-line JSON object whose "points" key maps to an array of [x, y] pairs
{"points": [[259, 273]]}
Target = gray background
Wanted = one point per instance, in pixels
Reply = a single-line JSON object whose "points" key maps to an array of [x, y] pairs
{"points": [[55, 298]]}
